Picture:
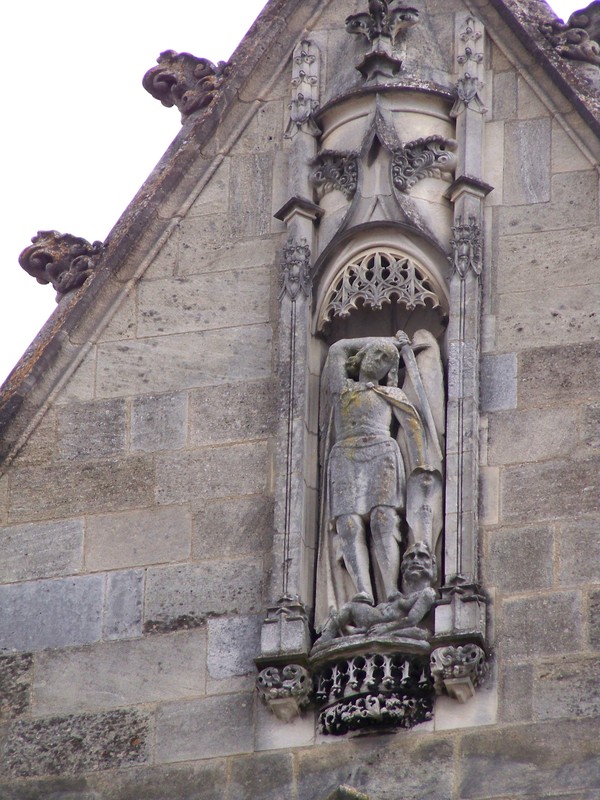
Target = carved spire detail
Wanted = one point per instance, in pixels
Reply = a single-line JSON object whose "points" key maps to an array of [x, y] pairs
{"points": [[305, 89], [384, 28], [579, 38], [185, 81], [61, 259]]}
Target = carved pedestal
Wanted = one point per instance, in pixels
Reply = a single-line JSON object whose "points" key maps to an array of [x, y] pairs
{"points": [[372, 684]]}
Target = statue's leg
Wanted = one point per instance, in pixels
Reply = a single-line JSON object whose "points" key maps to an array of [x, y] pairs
{"points": [[385, 534], [353, 539]]}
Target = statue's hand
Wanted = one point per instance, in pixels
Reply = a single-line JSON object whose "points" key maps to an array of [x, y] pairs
{"points": [[402, 338]]}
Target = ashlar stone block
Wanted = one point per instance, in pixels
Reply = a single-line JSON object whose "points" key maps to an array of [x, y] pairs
{"points": [[116, 674], [579, 551], [159, 422], [527, 160], [213, 726], [232, 412], [71, 744], [51, 613], [92, 430], [498, 382], [233, 644], [41, 550], [551, 376], [200, 781], [268, 776], [184, 596], [123, 604], [233, 527], [540, 625], [16, 674], [77, 487], [519, 560], [570, 688], [136, 538], [232, 254], [516, 437]]}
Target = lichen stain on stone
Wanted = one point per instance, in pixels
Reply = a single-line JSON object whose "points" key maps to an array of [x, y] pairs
{"points": [[15, 684]]}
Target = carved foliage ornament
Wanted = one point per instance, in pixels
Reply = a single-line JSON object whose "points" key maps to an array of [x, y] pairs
{"points": [[424, 158], [336, 171], [466, 248], [381, 20], [376, 278], [286, 690], [458, 670], [305, 89], [185, 81], [61, 259], [295, 270], [579, 38]]}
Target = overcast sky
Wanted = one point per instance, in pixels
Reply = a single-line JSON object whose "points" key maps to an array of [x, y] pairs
{"points": [[80, 134]]}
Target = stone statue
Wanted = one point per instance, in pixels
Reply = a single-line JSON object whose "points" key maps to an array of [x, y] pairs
{"points": [[400, 615], [382, 465]]}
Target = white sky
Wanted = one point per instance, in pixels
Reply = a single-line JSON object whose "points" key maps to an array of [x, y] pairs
{"points": [[80, 134]]}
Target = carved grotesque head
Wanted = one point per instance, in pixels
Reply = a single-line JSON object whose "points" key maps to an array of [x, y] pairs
{"points": [[418, 563]]}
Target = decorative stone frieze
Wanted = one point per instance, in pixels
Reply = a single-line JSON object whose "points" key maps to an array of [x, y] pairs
{"points": [[305, 89], [185, 81], [285, 690], [335, 171], [458, 670], [375, 278], [430, 157], [295, 269], [466, 247], [64, 260], [374, 690], [579, 38]]}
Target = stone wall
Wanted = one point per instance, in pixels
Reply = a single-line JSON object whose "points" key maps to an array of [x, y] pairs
{"points": [[137, 519]]}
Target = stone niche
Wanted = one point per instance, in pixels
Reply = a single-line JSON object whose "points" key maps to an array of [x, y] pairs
{"points": [[380, 322]]}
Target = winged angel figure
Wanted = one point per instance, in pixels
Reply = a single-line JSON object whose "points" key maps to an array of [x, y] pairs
{"points": [[381, 457]]}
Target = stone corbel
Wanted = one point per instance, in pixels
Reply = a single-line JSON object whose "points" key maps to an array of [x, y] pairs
{"points": [[185, 81], [284, 683], [64, 260], [458, 670], [333, 170], [431, 157]]}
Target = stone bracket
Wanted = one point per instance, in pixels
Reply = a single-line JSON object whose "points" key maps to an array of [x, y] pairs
{"points": [[285, 690], [457, 670]]}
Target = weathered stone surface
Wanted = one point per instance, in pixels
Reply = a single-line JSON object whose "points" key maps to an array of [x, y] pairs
{"points": [[199, 238], [544, 260], [51, 613], [61, 788], [498, 382], [529, 104], [115, 674], [16, 673], [594, 620], [527, 162], [135, 538], [515, 702], [197, 729], [233, 644], [516, 437], [184, 596], [123, 604], [92, 430], [579, 549], [574, 204], [233, 412], [552, 316], [540, 625], [567, 155], [122, 324], [185, 360], [590, 425], [421, 767], [80, 386], [231, 254], [574, 485], [159, 422], [41, 445], [266, 776], [570, 688], [204, 301], [536, 761], [504, 104], [41, 550], [549, 376], [76, 487], [519, 560], [70, 744], [211, 472], [233, 527], [250, 209], [214, 197]]}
